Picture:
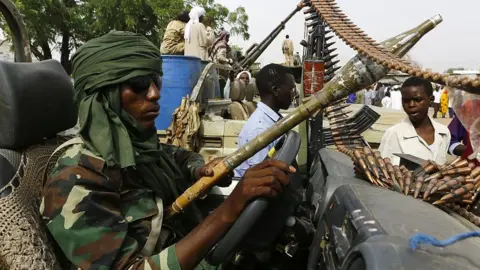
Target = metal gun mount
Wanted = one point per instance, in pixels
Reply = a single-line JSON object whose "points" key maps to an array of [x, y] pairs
{"points": [[254, 52], [15, 23]]}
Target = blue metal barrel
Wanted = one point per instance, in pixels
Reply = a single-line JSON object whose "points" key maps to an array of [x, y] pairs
{"points": [[180, 75]]}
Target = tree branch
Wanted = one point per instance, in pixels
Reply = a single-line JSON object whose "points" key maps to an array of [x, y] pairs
{"points": [[36, 52]]}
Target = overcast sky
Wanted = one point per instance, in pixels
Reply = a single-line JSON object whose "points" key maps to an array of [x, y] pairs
{"points": [[453, 43]]}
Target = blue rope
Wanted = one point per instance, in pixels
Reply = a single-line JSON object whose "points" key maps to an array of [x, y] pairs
{"points": [[421, 238]]}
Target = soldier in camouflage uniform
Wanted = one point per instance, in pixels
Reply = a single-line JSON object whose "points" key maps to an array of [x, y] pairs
{"points": [[103, 202]]}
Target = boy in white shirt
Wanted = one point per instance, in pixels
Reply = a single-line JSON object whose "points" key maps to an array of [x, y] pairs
{"points": [[418, 134]]}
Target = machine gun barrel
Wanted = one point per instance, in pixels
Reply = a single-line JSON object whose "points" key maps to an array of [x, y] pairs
{"points": [[256, 50], [357, 74]]}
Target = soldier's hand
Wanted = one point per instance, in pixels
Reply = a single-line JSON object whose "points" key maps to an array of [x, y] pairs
{"points": [[266, 179], [207, 171]]}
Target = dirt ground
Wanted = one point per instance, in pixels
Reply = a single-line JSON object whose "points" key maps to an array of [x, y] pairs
{"points": [[444, 121]]}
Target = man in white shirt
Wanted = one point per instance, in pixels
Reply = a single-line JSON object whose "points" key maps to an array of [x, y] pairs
{"points": [[396, 97], [387, 101], [198, 37], [418, 134], [437, 94], [276, 86]]}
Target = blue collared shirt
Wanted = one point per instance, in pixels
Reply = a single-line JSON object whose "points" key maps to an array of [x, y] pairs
{"points": [[261, 119]]}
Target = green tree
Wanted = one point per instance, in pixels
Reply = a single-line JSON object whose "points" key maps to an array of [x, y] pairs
{"points": [[236, 20], [64, 25], [236, 53], [450, 70]]}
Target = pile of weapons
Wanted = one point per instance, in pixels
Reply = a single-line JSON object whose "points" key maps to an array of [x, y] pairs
{"points": [[455, 185]]}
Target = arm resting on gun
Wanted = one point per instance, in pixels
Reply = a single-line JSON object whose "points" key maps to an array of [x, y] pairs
{"points": [[221, 56], [187, 160]]}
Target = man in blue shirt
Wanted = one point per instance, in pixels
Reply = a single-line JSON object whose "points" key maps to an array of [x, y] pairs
{"points": [[276, 86]]}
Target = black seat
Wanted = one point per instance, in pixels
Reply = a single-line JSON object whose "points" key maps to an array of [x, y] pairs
{"points": [[32, 95], [36, 103]]}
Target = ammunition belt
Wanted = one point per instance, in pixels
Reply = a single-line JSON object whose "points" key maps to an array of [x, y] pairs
{"points": [[354, 37]]}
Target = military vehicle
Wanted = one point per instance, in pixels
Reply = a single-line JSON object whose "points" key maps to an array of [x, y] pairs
{"points": [[333, 220], [219, 130]]}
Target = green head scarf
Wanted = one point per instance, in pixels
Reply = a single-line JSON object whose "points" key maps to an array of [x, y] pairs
{"points": [[99, 67]]}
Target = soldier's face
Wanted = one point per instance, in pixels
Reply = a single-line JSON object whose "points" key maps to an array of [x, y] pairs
{"points": [[140, 99]]}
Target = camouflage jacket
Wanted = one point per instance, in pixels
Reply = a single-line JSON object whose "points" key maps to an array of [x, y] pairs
{"points": [[101, 218]]}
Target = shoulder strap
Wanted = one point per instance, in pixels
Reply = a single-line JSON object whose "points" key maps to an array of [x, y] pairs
{"points": [[76, 140]]}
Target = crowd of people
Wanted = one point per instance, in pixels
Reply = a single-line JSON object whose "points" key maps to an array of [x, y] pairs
{"points": [[390, 97]]}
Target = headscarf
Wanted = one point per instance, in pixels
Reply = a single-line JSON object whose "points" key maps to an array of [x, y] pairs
{"points": [[248, 73], [99, 67], [221, 40], [194, 15]]}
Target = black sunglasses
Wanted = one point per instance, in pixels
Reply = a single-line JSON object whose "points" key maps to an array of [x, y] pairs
{"points": [[140, 84]]}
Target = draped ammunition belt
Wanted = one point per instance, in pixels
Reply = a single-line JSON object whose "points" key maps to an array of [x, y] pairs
{"points": [[455, 185], [354, 37], [345, 131]]}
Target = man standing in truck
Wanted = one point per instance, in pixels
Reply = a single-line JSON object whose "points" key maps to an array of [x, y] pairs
{"points": [[276, 86], [199, 35], [287, 49]]}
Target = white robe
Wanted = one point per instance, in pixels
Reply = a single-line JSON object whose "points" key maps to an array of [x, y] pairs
{"points": [[396, 100], [201, 38]]}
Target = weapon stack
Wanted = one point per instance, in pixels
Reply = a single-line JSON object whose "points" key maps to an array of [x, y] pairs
{"points": [[455, 185]]}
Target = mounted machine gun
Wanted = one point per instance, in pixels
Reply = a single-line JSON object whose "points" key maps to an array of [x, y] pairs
{"points": [[371, 64], [15, 23], [254, 52]]}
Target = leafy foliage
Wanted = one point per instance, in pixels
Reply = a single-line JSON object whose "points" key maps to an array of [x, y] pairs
{"points": [[237, 20], [451, 70], [64, 25]]}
